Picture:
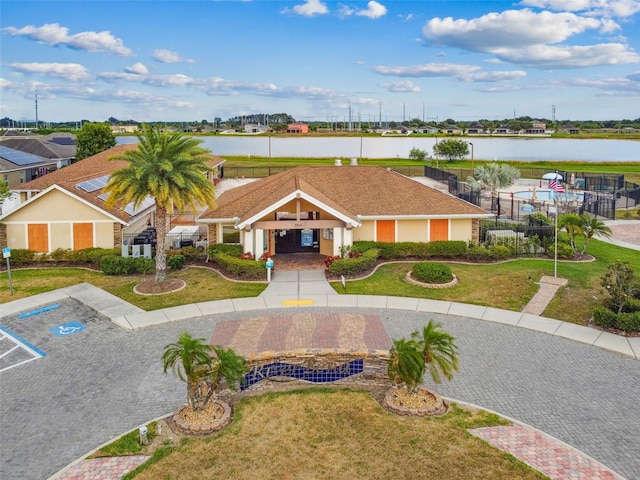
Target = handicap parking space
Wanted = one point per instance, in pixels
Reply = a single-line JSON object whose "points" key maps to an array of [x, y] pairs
{"points": [[38, 332]]}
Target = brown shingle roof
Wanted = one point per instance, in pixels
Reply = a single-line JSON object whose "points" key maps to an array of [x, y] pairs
{"points": [[89, 168], [351, 190]]}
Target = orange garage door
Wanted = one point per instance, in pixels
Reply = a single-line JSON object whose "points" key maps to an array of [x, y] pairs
{"points": [[438, 230], [386, 231], [82, 235], [38, 234]]}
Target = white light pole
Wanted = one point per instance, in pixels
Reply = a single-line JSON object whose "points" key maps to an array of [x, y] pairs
{"points": [[555, 250], [471, 157]]}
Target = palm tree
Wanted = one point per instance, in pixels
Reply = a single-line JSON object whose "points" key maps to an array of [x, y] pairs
{"points": [[572, 223], [190, 359], [171, 169], [438, 350], [493, 176], [591, 227], [406, 363]]}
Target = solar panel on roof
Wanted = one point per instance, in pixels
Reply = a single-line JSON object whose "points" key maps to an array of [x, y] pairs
{"points": [[93, 184], [18, 157], [146, 203], [63, 141]]}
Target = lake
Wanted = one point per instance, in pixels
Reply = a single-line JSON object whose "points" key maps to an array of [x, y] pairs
{"points": [[524, 149]]}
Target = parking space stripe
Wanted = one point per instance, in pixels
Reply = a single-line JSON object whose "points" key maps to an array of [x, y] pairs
{"points": [[20, 342]]}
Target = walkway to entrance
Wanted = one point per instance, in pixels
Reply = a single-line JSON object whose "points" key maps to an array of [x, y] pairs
{"points": [[298, 261]]}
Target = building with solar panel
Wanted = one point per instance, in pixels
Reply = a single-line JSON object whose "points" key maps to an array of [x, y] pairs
{"points": [[66, 209], [26, 158]]}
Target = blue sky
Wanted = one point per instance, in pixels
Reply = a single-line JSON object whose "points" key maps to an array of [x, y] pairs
{"points": [[317, 60]]}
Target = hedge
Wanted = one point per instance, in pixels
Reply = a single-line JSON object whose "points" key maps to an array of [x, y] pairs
{"points": [[92, 256], [231, 249], [629, 322], [175, 262], [603, 317], [432, 272], [234, 266], [355, 265], [114, 265], [388, 250]]}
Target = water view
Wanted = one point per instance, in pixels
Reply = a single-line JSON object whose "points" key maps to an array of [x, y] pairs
{"points": [[520, 149]]}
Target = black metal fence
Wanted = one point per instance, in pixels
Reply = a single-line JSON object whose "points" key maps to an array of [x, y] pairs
{"points": [[529, 227]]}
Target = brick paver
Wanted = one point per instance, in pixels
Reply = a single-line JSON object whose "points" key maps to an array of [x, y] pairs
{"points": [[109, 468], [548, 288], [545, 454]]}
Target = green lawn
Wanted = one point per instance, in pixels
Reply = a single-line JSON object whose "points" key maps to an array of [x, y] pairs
{"points": [[507, 285]]}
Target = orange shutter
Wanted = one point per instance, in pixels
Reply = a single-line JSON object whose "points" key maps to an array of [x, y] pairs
{"points": [[386, 231], [439, 230], [38, 234], [82, 235]]}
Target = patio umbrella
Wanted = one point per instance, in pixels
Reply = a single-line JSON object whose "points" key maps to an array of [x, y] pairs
{"points": [[552, 176]]}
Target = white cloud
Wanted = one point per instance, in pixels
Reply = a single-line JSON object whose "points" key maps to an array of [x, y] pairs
{"points": [[527, 38], [513, 28], [175, 80], [549, 56], [427, 70], [53, 34], [406, 18], [500, 76], [401, 87], [72, 72], [167, 56], [605, 8], [627, 86], [137, 68], [469, 73], [374, 10], [309, 8]]}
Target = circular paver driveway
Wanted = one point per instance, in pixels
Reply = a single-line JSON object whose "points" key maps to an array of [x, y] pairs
{"points": [[100, 382]]}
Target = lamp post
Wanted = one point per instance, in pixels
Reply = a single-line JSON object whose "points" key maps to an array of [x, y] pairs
{"points": [[471, 157]]}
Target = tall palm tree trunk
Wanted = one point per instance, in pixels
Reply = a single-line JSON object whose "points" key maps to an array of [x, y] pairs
{"points": [[161, 252]]}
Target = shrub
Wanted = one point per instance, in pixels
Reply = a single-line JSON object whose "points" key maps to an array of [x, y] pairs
{"points": [[22, 256], [603, 317], [388, 250], [478, 253], [190, 254], [447, 249], [175, 262], [95, 254], [564, 251], [352, 266], [231, 249], [114, 265], [246, 269], [60, 255], [144, 265], [429, 272], [629, 322], [499, 252]]}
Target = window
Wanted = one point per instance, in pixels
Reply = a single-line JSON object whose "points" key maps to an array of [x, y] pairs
{"points": [[230, 234]]}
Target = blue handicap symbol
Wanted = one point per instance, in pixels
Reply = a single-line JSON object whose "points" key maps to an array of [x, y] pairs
{"points": [[67, 329]]}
